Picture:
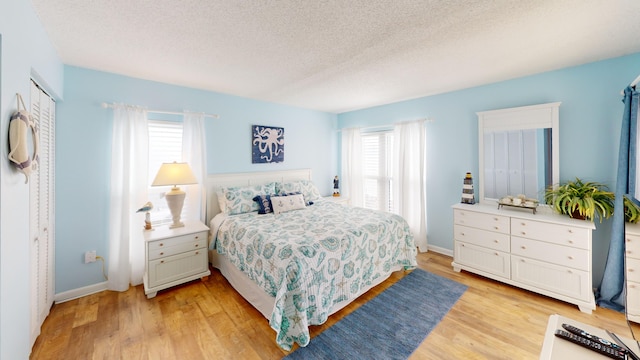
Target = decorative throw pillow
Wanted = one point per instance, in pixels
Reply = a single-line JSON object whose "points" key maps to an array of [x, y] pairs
{"points": [[264, 204], [306, 187], [239, 199], [282, 204], [297, 193]]}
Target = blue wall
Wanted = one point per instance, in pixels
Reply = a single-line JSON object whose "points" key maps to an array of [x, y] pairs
{"points": [[25, 53], [590, 118], [83, 140]]}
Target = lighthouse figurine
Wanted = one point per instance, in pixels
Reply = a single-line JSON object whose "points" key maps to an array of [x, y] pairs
{"points": [[467, 190]]}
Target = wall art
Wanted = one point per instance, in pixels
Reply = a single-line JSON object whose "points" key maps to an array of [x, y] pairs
{"points": [[267, 144]]}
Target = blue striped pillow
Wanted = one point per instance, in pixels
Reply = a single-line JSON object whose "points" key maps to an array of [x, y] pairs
{"points": [[264, 204]]}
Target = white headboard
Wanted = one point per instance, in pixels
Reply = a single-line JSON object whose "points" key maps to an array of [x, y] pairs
{"points": [[216, 181]]}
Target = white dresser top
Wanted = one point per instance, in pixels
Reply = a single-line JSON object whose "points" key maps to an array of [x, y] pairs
{"points": [[543, 213]]}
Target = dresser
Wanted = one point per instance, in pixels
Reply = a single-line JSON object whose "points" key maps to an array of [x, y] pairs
{"points": [[544, 252], [632, 264], [175, 256]]}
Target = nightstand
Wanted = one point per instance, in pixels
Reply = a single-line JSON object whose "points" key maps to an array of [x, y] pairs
{"points": [[338, 199], [175, 256]]}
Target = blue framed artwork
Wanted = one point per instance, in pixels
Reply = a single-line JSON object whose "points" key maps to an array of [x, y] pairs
{"points": [[267, 144]]}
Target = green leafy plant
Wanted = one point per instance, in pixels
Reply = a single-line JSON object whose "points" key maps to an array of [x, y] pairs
{"points": [[631, 211], [580, 199]]}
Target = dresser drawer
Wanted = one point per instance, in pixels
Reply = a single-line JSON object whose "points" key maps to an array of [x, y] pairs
{"points": [[633, 270], [551, 278], [178, 240], [160, 252], [632, 245], [489, 239], [483, 259], [556, 254], [482, 221], [554, 233], [633, 298]]}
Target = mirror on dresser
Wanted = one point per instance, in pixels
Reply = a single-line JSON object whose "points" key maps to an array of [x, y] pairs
{"points": [[518, 151]]}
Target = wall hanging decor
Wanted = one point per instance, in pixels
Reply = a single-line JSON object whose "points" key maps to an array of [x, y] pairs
{"points": [[267, 144], [23, 140]]}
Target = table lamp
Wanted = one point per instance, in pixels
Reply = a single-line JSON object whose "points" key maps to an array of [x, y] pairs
{"points": [[175, 174]]}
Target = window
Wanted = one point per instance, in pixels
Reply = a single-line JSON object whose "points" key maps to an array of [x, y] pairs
{"points": [[165, 145], [377, 170]]}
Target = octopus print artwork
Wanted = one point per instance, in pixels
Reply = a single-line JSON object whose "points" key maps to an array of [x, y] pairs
{"points": [[267, 144]]}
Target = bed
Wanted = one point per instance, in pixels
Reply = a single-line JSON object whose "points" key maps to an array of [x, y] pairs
{"points": [[307, 258]]}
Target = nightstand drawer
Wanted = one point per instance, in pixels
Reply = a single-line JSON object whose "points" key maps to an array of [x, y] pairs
{"points": [[177, 249], [178, 240], [176, 267]]}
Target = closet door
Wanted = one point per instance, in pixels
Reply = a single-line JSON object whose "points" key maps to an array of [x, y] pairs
{"points": [[41, 188]]}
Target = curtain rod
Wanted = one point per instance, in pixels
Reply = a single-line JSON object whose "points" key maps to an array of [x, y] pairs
{"points": [[215, 116], [385, 127], [633, 84]]}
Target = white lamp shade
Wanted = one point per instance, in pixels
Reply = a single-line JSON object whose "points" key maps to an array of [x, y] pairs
{"points": [[174, 173]]}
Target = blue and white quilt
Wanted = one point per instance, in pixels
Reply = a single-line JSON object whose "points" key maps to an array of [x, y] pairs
{"points": [[312, 258]]}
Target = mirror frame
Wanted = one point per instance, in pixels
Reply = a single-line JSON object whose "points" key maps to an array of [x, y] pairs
{"points": [[520, 118]]}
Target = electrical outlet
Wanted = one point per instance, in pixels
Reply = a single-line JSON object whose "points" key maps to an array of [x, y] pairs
{"points": [[90, 256]]}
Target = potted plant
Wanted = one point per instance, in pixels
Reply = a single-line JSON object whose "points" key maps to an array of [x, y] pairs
{"points": [[581, 200], [631, 211]]}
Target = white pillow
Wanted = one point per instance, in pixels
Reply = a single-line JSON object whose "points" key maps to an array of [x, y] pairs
{"points": [[282, 204]]}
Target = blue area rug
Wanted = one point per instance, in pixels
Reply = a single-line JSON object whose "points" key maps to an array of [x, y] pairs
{"points": [[391, 325]]}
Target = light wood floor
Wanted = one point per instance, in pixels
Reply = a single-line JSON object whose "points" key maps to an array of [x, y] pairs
{"points": [[209, 320]]}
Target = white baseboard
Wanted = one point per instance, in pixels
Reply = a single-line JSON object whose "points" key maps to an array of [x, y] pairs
{"points": [[440, 250], [80, 292]]}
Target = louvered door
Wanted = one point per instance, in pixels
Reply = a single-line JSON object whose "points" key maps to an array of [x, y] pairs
{"points": [[41, 189]]}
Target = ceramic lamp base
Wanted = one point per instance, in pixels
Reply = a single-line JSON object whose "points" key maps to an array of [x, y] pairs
{"points": [[175, 201]]}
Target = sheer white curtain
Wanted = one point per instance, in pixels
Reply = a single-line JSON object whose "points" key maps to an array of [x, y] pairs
{"points": [[352, 180], [409, 178], [129, 182], [194, 152]]}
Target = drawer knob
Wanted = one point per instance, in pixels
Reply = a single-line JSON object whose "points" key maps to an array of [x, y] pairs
{"points": [[632, 286], [495, 228], [197, 237], [523, 247], [161, 261], [570, 257], [570, 241], [197, 245], [523, 233], [496, 241], [197, 252], [570, 272], [523, 224], [496, 254], [496, 219], [630, 270], [570, 231], [161, 253], [161, 244]]}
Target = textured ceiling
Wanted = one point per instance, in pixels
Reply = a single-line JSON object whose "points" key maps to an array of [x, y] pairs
{"points": [[335, 55]]}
